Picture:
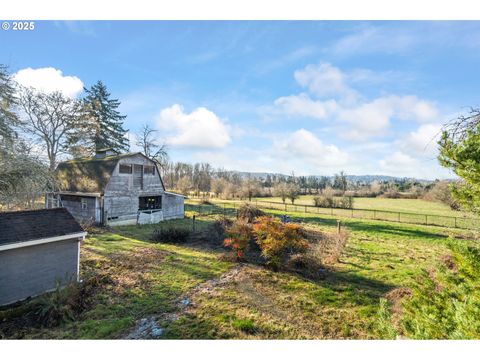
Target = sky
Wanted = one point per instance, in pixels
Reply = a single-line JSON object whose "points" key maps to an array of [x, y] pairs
{"points": [[309, 97]]}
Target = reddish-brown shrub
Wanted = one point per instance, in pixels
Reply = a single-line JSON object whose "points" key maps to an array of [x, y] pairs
{"points": [[278, 240], [238, 238]]}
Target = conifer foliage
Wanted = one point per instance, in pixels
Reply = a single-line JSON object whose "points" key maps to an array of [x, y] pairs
{"points": [[101, 111]]}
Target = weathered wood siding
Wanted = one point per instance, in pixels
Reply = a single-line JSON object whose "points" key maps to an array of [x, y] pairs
{"points": [[123, 190], [33, 270], [74, 206], [173, 207]]}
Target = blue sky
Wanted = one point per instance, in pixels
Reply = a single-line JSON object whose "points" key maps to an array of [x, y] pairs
{"points": [[313, 97]]}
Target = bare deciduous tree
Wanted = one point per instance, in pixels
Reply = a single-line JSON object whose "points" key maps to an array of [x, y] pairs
{"points": [[150, 146], [49, 117]]}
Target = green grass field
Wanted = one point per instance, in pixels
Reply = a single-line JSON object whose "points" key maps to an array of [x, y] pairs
{"points": [[357, 299], [403, 205]]}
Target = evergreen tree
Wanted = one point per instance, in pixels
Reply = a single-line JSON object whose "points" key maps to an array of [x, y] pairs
{"points": [[8, 119], [105, 121], [460, 152]]}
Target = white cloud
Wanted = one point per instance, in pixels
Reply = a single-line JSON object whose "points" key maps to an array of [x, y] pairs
{"points": [[423, 141], [324, 80], [354, 117], [401, 164], [303, 105], [201, 128], [302, 145], [374, 118], [49, 80]]}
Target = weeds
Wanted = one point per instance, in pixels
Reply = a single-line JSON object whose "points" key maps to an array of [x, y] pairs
{"points": [[172, 235]]}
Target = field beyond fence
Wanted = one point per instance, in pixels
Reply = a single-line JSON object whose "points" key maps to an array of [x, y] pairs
{"points": [[229, 208]]}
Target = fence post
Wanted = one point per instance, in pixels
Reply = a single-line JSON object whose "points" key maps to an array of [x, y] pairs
{"points": [[285, 206], [339, 224], [352, 212], [193, 223], [455, 221], [374, 214], [399, 217], [426, 219], [305, 208], [331, 211]]}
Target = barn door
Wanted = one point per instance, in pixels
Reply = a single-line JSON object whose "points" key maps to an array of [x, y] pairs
{"points": [[138, 176]]}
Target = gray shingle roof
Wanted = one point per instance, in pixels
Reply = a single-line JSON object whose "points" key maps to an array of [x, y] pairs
{"points": [[22, 226]]}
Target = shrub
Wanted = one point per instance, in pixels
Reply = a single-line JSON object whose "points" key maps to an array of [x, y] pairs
{"points": [[277, 240], [324, 201], [248, 213], [328, 201], [172, 235], [205, 202], [238, 238], [345, 202]]}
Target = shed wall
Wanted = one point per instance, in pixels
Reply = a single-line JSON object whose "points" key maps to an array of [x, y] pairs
{"points": [[33, 270]]}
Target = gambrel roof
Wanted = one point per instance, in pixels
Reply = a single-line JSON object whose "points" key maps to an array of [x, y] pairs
{"points": [[89, 175]]}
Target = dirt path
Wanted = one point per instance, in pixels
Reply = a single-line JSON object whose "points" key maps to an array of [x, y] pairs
{"points": [[149, 328]]}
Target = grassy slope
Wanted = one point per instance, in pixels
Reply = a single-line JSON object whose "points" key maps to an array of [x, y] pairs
{"points": [[144, 278], [150, 278], [263, 304]]}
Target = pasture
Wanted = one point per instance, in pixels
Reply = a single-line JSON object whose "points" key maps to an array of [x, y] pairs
{"points": [[402, 205]]}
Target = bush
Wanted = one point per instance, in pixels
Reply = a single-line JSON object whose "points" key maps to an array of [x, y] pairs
{"points": [[328, 201], [323, 201], [238, 238], [248, 213], [172, 235], [277, 241], [206, 202]]}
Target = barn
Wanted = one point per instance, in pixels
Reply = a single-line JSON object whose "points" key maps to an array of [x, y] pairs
{"points": [[115, 189], [38, 249]]}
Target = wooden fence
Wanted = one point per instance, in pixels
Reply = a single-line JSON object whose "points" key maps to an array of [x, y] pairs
{"points": [[229, 209]]}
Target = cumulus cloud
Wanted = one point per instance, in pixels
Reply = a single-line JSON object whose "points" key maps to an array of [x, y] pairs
{"points": [[200, 128], [304, 145], [374, 118], [423, 141], [49, 80], [303, 105], [401, 164], [324, 80], [331, 97]]}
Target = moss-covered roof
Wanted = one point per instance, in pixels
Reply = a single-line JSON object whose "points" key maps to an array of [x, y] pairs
{"points": [[89, 175]]}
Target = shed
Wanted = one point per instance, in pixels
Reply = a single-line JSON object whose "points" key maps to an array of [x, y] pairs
{"points": [[38, 248]]}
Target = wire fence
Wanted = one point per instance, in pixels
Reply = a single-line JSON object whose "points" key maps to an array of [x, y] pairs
{"points": [[229, 209]]}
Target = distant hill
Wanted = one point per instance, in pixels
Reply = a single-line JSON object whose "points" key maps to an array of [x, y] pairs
{"points": [[367, 179]]}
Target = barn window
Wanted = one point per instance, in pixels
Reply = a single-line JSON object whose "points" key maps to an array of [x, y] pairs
{"points": [[150, 203], [125, 169], [148, 169], [84, 204]]}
